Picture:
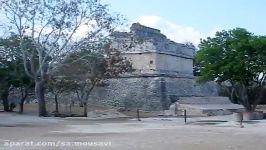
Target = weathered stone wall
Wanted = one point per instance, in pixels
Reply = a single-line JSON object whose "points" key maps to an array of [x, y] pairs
{"points": [[155, 62], [172, 63], [149, 93], [129, 93], [143, 61]]}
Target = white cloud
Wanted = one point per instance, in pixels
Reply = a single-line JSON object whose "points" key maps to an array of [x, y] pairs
{"points": [[175, 32]]}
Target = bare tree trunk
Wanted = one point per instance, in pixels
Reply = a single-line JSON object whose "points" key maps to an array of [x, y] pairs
{"points": [[258, 98], [24, 95], [21, 107], [70, 109], [233, 96], [85, 111], [39, 91], [56, 103], [21, 104], [80, 104], [4, 97], [83, 97], [245, 98], [86, 99]]}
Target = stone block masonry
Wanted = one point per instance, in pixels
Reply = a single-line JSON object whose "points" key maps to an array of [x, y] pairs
{"points": [[149, 93]]}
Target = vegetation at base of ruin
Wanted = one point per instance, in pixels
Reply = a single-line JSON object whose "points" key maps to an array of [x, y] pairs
{"points": [[236, 59], [85, 69], [52, 27]]}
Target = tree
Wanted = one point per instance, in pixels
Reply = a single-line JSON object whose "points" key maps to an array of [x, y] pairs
{"points": [[12, 71], [87, 69], [4, 87], [58, 85], [237, 57], [53, 25]]}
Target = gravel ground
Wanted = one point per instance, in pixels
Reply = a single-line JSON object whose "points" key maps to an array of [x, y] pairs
{"points": [[208, 133]]}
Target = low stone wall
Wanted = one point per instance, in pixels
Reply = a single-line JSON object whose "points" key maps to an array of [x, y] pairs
{"points": [[149, 93]]}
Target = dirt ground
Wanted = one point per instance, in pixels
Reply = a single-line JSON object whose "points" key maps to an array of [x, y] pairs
{"points": [[212, 133]]}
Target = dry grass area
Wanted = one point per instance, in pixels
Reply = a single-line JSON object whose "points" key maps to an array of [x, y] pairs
{"points": [[65, 109], [76, 109], [142, 114]]}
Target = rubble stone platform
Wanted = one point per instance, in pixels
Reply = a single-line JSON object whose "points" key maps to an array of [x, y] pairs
{"points": [[209, 106]]}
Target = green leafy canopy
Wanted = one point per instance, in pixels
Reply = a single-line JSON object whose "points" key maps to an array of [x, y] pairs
{"points": [[235, 55]]}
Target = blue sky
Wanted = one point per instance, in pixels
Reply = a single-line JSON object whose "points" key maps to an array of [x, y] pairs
{"points": [[190, 20]]}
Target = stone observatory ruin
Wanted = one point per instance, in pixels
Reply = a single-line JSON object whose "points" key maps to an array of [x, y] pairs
{"points": [[163, 72]]}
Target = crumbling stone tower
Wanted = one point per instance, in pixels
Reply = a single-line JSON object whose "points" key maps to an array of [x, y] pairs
{"points": [[163, 72], [151, 53]]}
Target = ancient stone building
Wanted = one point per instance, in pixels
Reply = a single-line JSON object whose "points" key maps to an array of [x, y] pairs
{"points": [[152, 53], [163, 72]]}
